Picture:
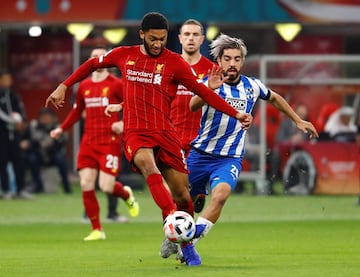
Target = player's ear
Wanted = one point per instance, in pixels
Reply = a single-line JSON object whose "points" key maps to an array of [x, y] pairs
{"points": [[202, 39], [141, 34], [218, 60]]}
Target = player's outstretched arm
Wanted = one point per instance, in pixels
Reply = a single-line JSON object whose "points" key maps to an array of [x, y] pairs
{"points": [[308, 128], [280, 103], [57, 97]]}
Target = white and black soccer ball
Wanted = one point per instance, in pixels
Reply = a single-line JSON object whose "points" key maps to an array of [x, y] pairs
{"points": [[179, 227]]}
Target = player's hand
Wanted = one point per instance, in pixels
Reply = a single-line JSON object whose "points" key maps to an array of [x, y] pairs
{"points": [[216, 77], [117, 127], [57, 97], [246, 120], [112, 108], [307, 128], [56, 133]]}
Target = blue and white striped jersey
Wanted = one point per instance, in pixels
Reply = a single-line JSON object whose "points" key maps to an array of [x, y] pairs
{"points": [[220, 134]]}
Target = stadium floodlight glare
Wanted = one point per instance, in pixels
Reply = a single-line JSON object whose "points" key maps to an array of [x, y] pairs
{"points": [[288, 31], [115, 36], [211, 32], [80, 30], [35, 31]]}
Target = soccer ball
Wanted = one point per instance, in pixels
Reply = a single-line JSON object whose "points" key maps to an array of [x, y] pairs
{"points": [[179, 227]]}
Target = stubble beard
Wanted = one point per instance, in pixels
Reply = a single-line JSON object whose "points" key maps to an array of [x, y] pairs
{"points": [[147, 49]]}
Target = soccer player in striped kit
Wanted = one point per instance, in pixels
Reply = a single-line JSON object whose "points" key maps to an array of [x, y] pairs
{"points": [[150, 75], [217, 151], [186, 123]]}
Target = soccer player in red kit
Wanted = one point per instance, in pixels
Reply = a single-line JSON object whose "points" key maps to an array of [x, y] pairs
{"points": [[187, 123], [151, 74], [100, 147]]}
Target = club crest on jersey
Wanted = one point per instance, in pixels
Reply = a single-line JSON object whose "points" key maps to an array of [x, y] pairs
{"points": [[249, 93], [238, 104], [157, 76], [157, 79], [159, 67], [105, 91], [130, 62]]}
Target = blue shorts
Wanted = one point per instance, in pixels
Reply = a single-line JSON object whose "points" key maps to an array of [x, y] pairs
{"points": [[207, 169]]}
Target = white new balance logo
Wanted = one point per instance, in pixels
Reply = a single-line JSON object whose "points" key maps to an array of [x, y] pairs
{"points": [[157, 79]]}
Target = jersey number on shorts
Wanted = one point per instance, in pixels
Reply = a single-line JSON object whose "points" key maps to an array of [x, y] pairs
{"points": [[234, 172], [112, 161]]}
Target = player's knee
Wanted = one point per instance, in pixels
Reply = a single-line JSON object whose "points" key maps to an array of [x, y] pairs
{"points": [[145, 164], [86, 186], [181, 196], [219, 197], [107, 188]]}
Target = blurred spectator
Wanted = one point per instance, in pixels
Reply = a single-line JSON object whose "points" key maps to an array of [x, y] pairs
{"points": [[12, 125], [41, 150], [286, 137], [341, 125], [325, 112]]}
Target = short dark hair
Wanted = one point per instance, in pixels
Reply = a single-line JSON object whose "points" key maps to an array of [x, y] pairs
{"points": [[154, 20]]}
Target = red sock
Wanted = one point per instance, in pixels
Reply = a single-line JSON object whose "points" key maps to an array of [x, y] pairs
{"points": [[119, 191], [187, 207], [160, 194], [92, 208]]}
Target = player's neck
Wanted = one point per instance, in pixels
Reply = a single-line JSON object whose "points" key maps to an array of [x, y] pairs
{"points": [[191, 58], [99, 76]]}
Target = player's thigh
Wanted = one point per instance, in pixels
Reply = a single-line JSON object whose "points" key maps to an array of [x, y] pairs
{"points": [[200, 168], [106, 181], [145, 161], [87, 178], [227, 171]]}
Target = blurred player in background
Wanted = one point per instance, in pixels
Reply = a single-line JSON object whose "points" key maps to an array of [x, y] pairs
{"points": [[100, 148], [151, 74], [187, 123], [217, 152]]}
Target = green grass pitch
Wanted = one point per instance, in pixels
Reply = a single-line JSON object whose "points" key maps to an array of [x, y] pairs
{"points": [[256, 236]]}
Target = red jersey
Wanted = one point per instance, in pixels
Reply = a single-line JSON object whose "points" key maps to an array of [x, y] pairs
{"points": [[149, 85], [93, 97], [187, 123]]}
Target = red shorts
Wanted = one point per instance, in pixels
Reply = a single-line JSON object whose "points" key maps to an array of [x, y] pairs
{"points": [[166, 145], [106, 157]]}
